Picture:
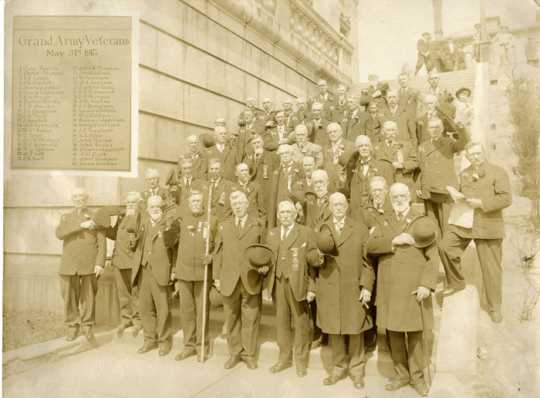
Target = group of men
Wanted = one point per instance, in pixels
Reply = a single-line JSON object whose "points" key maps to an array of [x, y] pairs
{"points": [[337, 209]]}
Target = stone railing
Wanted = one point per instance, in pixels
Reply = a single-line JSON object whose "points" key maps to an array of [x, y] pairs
{"points": [[295, 26]]}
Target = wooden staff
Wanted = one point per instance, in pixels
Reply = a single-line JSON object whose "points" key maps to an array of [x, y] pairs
{"points": [[205, 280], [425, 344]]}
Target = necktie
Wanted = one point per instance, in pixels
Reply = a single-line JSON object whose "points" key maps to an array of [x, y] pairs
{"points": [[339, 226]]}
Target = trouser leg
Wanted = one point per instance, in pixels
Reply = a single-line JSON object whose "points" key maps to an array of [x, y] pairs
{"points": [[199, 293], [160, 296], [122, 279], [451, 249], [187, 312], [88, 289], [419, 63], [231, 308], [398, 352], [146, 305], [283, 323], [357, 356], [336, 342], [301, 326], [490, 258], [251, 317], [70, 288], [136, 316], [317, 332], [415, 353]]}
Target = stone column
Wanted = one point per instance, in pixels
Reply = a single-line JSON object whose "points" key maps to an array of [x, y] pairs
{"points": [[437, 19]]}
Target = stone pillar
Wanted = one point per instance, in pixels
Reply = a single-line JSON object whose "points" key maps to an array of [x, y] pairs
{"points": [[437, 19]]}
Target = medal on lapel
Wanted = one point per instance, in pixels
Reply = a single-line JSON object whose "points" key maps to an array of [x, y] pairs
{"points": [[205, 229], [295, 264], [265, 171]]}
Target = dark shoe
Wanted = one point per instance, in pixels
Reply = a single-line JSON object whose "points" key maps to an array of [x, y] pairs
{"points": [[165, 348], [72, 334], [121, 329], [186, 353], [395, 384], [136, 330], [147, 346], [358, 383], [453, 289], [333, 379], [495, 316], [89, 335], [280, 366], [421, 388], [250, 363], [301, 371], [232, 362]]}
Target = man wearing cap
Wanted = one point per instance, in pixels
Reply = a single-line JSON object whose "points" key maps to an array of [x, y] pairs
{"points": [[423, 47], [398, 153], [122, 260], [343, 287], [485, 187], [239, 284], [302, 147], [83, 259], [194, 234], [436, 162], [152, 275], [251, 189], [362, 166], [408, 262], [401, 115], [292, 287], [223, 151], [151, 179], [284, 183], [317, 125]]}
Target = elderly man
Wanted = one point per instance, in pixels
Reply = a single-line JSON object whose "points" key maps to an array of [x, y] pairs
{"points": [[343, 289], [407, 97], [152, 274], [280, 133], [317, 125], [379, 205], [436, 161], [83, 259], [285, 183], [225, 152], [220, 189], [193, 233], [485, 187], [251, 189], [302, 147], [241, 295], [443, 96], [122, 260], [360, 169], [151, 180], [340, 108], [324, 97], [338, 150], [433, 110], [197, 156], [402, 116], [401, 154], [406, 250], [292, 287], [182, 182]]}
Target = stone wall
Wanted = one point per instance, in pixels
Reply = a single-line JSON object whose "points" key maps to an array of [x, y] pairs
{"points": [[197, 61]]}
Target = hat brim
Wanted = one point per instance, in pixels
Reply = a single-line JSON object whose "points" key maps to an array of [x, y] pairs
{"points": [[423, 245]]}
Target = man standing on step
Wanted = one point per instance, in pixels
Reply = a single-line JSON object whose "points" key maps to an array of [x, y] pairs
{"points": [[83, 259], [485, 187]]}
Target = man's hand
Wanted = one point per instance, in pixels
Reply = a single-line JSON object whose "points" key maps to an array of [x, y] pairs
{"points": [[88, 224], [403, 239], [207, 260], [176, 289], [474, 203], [263, 270], [310, 296], [365, 297], [420, 194], [98, 270], [422, 293], [172, 277], [217, 284]]}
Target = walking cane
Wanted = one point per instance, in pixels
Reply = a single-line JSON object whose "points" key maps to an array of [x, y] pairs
{"points": [[424, 344], [205, 280]]}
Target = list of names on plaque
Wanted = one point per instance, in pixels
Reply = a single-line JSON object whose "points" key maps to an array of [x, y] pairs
{"points": [[72, 87]]}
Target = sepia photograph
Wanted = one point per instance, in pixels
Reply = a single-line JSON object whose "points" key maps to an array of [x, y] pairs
{"points": [[271, 198]]}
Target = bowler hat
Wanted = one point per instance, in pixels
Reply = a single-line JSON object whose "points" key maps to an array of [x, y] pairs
{"points": [[215, 297], [258, 255], [325, 241], [463, 90], [208, 140], [424, 231]]}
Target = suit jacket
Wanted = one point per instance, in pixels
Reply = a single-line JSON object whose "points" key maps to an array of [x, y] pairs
{"points": [[405, 122], [340, 156], [308, 149], [122, 256], [341, 279], [229, 160], [401, 270], [422, 133], [436, 161], [408, 99], [220, 192], [316, 211], [355, 125], [230, 263], [492, 185], [372, 128], [299, 251], [328, 102], [82, 249], [162, 239], [283, 187], [254, 194], [406, 175], [317, 131]]}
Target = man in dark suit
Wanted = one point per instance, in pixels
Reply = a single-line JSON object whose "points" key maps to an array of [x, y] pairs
{"points": [[436, 162], [355, 120], [402, 117], [225, 152], [317, 125], [340, 109], [485, 187], [423, 47], [239, 284], [251, 189], [182, 181], [325, 98], [343, 287], [408, 262], [151, 179], [268, 112], [338, 150], [302, 147], [372, 123], [301, 114], [292, 287], [152, 274], [407, 97], [197, 156], [193, 234], [83, 259], [220, 188]]}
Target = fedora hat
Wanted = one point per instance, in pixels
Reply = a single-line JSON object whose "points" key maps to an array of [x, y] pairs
{"points": [[208, 140], [424, 231], [463, 90], [258, 255], [215, 297], [325, 241]]}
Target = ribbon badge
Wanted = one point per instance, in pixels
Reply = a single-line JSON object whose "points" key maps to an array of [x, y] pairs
{"points": [[295, 261]]}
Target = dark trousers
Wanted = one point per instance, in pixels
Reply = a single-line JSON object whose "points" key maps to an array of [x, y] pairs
{"points": [[242, 319], [128, 297], [79, 294], [407, 355], [154, 308], [191, 312], [439, 211], [292, 325], [489, 253], [348, 354]]}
